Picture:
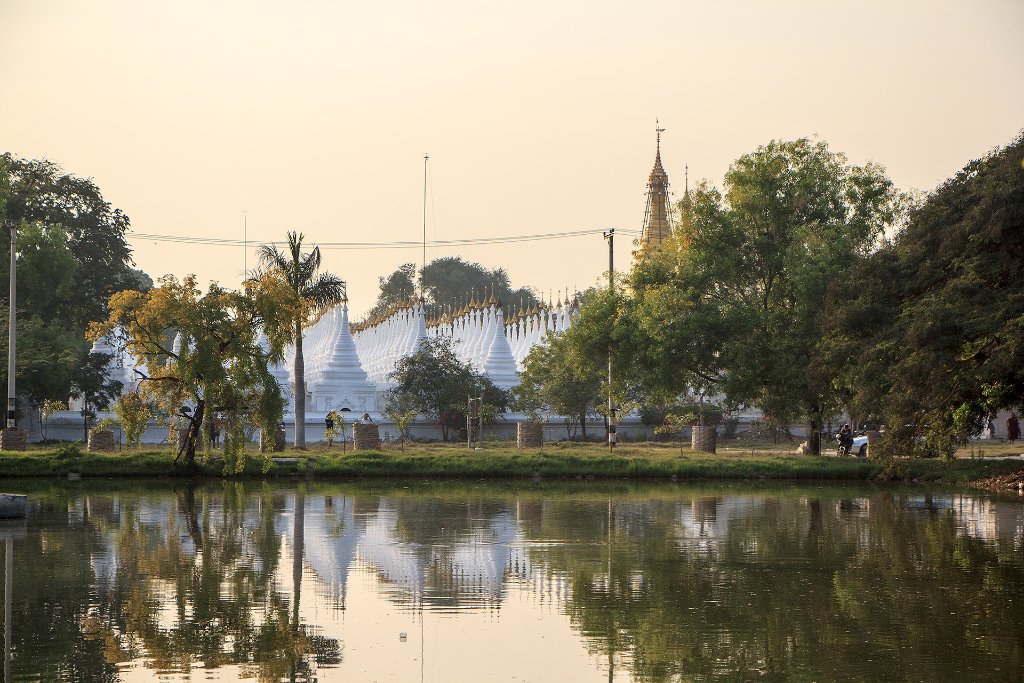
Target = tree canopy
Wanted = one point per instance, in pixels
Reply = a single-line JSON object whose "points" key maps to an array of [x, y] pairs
{"points": [[219, 364], [313, 293], [447, 282], [552, 381], [930, 328], [72, 255], [433, 381], [89, 230], [732, 303]]}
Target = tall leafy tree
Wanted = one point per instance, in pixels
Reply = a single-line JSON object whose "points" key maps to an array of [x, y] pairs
{"points": [[734, 302], [91, 382], [72, 255], [39, 192], [552, 380], [219, 367], [397, 287], [315, 293], [447, 282], [433, 381], [930, 329]]}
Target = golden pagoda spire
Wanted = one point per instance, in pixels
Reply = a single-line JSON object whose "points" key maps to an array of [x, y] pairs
{"points": [[656, 215]]}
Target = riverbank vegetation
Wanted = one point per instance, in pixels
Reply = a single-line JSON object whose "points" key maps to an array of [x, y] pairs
{"points": [[557, 461]]}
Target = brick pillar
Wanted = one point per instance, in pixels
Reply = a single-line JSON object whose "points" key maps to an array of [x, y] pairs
{"points": [[704, 439], [365, 436], [100, 440], [529, 435], [13, 439]]}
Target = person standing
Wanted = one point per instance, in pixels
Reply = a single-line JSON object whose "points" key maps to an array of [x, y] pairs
{"points": [[1012, 428]]}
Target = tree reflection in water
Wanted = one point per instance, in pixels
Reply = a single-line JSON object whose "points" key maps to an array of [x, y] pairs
{"points": [[179, 579], [661, 583]]}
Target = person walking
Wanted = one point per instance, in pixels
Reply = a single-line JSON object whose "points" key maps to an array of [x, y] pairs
{"points": [[1012, 428]]}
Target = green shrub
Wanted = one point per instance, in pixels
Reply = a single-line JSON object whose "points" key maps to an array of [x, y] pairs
{"points": [[68, 451]]}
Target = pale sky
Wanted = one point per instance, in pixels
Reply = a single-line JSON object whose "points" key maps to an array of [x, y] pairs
{"points": [[315, 115]]}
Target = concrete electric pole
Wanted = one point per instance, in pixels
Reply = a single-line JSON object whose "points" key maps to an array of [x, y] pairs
{"points": [[612, 435]]}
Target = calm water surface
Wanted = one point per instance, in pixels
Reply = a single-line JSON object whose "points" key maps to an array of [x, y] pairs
{"points": [[463, 582]]}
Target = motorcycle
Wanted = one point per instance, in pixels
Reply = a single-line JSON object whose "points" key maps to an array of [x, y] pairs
{"points": [[855, 443], [845, 442]]}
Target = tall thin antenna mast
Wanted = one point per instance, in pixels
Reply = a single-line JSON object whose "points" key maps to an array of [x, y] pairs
{"points": [[426, 158], [245, 243]]}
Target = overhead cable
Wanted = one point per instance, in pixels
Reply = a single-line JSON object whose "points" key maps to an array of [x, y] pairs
{"points": [[395, 244]]}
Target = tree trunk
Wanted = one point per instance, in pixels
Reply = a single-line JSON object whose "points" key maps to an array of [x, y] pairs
{"points": [[300, 390], [814, 433], [583, 426], [194, 434]]}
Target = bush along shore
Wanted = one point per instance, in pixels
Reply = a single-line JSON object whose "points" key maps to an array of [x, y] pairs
{"points": [[636, 462]]}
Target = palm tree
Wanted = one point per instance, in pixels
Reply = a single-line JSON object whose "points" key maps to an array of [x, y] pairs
{"points": [[318, 291]]}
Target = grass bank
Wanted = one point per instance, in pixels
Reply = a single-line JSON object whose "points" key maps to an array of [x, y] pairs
{"points": [[557, 462]]}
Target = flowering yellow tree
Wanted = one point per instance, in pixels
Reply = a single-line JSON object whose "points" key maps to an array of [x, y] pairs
{"points": [[217, 365]]}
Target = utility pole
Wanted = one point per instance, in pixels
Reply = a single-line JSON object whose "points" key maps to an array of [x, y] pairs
{"points": [[612, 435], [12, 332]]}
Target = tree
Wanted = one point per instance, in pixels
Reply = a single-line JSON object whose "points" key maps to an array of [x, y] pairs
{"points": [[402, 415], [446, 282], [397, 287], [735, 304], [50, 348], [38, 193], [133, 410], [93, 385], [552, 381], [930, 329], [219, 366], [316, 292], [46, 410], [48, 358], [433, 381], [72, 256], [601, 324]]}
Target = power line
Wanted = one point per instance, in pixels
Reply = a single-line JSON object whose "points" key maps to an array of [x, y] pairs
{"points": [[508, 239]]}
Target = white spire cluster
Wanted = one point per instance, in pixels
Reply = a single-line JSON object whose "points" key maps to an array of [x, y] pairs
{"points": [[381, 344], [349, 366]]}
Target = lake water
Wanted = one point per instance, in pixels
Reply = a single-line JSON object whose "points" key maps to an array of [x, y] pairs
{"points": [[526, 582]]}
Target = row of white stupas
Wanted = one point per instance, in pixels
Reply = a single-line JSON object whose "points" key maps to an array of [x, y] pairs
{"points": [[349, 366]]}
